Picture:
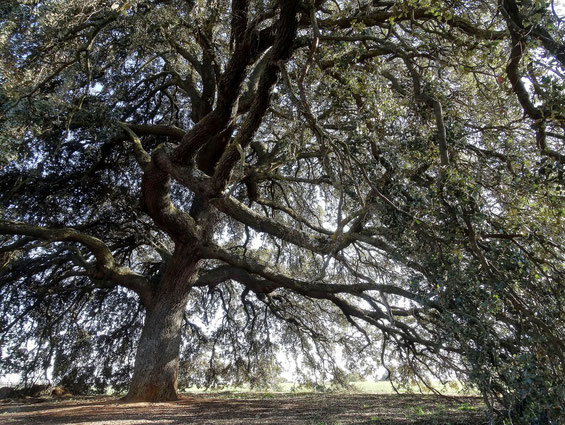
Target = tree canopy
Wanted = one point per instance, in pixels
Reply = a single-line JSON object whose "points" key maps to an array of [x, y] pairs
{"points": [[190, 188]]}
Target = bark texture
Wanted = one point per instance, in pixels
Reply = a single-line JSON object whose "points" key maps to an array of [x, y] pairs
{"points": [[157, 359]]}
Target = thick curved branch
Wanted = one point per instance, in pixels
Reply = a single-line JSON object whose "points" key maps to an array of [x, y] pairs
{"points": [[239, 211], [281, 51], [294, 215], [381, 17], [156, 192], [515, 20], [141, 156], [510, 12], [320, 244], [428, 100], [243, 270], [518, 47], [105, 268], [272, 280], [229, 91]]}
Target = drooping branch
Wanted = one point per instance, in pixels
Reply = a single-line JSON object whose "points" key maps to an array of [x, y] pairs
{"points": [[105, 267], [275, 279], [243, 271]]}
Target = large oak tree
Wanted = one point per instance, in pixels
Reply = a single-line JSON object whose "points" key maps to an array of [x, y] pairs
{"points": [[193, 187]]}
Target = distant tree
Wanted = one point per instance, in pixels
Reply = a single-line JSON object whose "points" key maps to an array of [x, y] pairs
{"points": [[189, 188]]}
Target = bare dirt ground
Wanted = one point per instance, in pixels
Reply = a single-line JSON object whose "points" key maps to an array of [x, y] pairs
{"points": [[246, 409]]}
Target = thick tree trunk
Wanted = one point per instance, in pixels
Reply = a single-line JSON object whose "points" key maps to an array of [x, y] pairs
{"points": [[157, 359]]}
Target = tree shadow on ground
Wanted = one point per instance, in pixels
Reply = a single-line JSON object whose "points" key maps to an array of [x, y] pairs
{"points": [[230, 409]]}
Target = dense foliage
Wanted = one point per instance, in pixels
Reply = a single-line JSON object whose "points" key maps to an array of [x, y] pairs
{"points": [[353, 183]]}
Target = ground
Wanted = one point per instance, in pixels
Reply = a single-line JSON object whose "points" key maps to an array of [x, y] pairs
{"points": [[251, 408]]}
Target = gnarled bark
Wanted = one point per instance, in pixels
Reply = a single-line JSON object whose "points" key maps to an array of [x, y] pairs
{"points": [[157, 359]]}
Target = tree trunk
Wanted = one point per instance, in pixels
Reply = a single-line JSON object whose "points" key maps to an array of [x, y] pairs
{"points": [[157, 359]]}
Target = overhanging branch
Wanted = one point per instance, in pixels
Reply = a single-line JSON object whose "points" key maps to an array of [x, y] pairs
{"points": [[105, 267]]}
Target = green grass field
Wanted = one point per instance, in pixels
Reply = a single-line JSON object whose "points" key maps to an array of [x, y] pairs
{"points": [[364, 387], [384, 387]]}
